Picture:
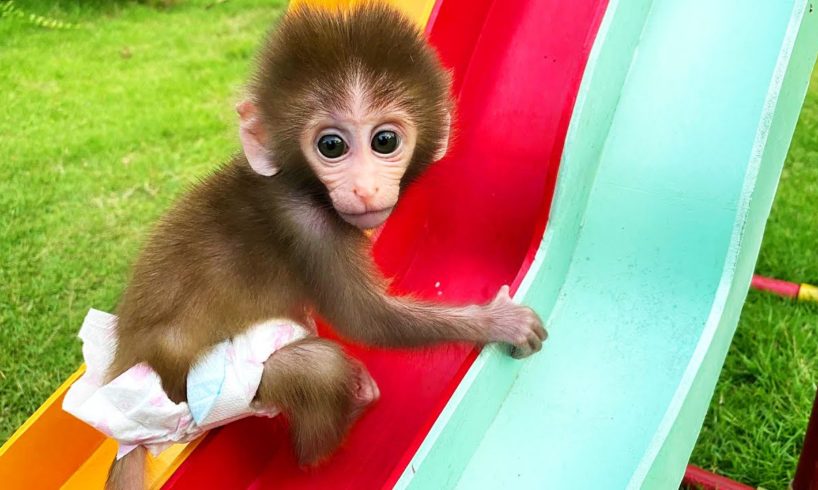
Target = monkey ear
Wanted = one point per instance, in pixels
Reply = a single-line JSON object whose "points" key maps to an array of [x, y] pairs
{"points": [[252, 135], [447, 129]]}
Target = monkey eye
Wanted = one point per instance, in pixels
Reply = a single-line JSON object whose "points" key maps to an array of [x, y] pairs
{"points": [[385, 142], [332, 146]]}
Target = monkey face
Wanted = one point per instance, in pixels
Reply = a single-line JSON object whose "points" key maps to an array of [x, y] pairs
{"points": [[360, 154], [356, 104], [358, 150]]}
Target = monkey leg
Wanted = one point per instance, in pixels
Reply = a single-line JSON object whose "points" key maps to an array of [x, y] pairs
{"points": [[128, 473], [320, 389]]}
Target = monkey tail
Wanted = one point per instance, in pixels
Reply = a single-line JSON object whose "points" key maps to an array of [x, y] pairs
{"points": [[128, 472]]}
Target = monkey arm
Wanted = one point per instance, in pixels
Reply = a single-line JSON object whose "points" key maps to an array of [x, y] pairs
{"points": [[359, 307], [345, 288]]}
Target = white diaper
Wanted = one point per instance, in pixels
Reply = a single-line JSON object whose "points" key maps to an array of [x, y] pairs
{"points": [[134, 409]]}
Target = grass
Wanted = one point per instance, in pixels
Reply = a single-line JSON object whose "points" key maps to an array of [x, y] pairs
{"points": [[103, 125]]}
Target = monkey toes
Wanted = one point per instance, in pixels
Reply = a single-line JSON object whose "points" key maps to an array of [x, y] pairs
{"points": [[365, 390]]}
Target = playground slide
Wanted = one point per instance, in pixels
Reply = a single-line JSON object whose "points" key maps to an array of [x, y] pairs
{"points": [[684, 111], [674, 153]]}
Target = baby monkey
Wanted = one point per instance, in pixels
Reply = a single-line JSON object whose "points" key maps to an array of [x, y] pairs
{"points": [[344, 111]]}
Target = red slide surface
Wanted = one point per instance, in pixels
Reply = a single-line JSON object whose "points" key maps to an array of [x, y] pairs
{"points": [[469, 226]]}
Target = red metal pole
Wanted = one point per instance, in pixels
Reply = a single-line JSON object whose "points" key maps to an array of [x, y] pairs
{"points": [[776, 286], [798, 292], [806, 475], [698, 478]]}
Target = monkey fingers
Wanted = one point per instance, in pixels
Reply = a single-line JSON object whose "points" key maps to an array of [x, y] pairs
{"points": [[514, 324], [533, 344]]}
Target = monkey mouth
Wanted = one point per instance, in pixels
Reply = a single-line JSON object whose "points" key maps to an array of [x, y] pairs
{"points": [[368, 219]]}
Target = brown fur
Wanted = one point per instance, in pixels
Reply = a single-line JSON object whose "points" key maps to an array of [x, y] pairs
{"points": [[128, 473], [320, 389], [240, 247], [315, 57]]}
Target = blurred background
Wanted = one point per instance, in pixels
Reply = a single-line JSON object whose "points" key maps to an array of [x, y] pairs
{"points": [[110, 109]]}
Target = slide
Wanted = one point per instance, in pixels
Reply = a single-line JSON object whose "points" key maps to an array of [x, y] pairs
{"points": [[672, 158], [615, 162]]}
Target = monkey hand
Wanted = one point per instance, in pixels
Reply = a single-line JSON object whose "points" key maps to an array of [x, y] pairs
{"points": [[513, 324]]}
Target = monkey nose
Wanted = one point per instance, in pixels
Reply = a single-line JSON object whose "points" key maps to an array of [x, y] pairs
{"points": [[366, 193]]}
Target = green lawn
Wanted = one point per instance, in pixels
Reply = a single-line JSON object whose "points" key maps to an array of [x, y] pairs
{"points": [[101, 126]]}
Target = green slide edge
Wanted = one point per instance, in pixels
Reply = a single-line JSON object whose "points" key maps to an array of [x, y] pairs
{"points": [[676, 437]]}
